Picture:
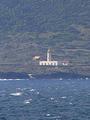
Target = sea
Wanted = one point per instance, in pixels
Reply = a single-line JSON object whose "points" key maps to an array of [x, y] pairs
{"points": [[60, 99]]}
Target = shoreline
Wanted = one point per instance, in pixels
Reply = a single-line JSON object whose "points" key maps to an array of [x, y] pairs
{"points": [[27, 76], [58, 75]]}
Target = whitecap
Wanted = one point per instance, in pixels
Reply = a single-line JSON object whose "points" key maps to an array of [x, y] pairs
{"points": [[11, 79], [38, 93], [51, 98], [70, 103], [86, 78], [63, 97], [32, 90], [27, 101], [60, 78], [3, 79], [16, 94], [48, 115]]}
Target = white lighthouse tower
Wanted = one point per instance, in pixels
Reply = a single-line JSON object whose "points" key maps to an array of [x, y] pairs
{"points": [[48, 55], [49, 61]]}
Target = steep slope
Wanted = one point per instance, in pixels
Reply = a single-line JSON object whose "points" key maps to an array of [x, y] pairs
{"points": [[29, 27]]}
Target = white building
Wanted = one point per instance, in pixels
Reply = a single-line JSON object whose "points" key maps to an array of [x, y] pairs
{"points": [[49, 61]]}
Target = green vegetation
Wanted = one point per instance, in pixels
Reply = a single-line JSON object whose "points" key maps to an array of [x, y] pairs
{"points": [[30, 27]]}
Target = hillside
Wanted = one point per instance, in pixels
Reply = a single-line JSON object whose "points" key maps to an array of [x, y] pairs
{"points": [[29, 27]]}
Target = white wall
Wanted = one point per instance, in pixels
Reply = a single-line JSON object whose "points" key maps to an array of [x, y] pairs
{"points": [[48, 63]]}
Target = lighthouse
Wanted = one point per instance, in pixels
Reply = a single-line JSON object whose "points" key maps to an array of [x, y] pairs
{"points": [[48, 55], [49, 61]]}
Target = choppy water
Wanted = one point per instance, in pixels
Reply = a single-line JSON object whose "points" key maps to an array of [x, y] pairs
{"points": [[45, 100]]}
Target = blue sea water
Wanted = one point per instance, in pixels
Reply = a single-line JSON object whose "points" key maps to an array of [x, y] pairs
{"points": [[45, 100]]}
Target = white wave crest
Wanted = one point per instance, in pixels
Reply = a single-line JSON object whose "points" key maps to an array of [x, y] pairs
{"points": [[27, 101], [16, 94]]}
